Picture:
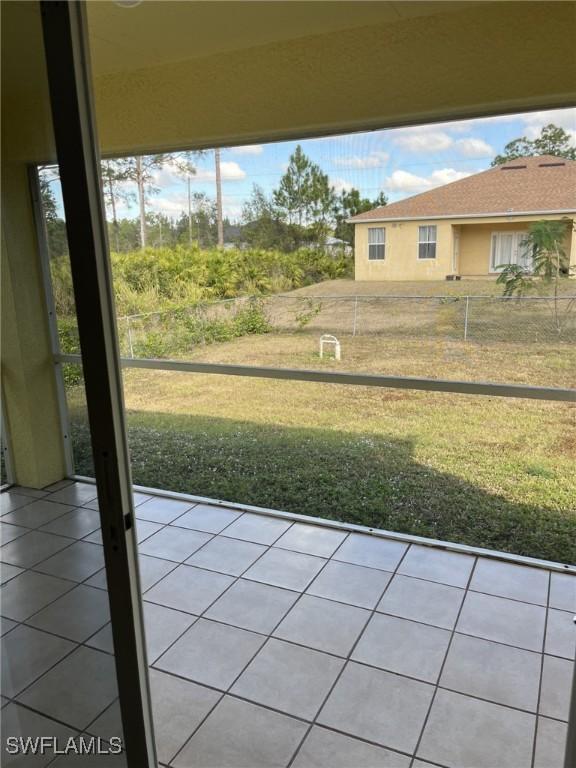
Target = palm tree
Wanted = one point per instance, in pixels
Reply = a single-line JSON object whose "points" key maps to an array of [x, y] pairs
{"points": [[549, 263]]}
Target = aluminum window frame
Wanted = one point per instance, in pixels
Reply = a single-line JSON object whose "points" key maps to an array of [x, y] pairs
{"points": [[377, 245], [428, 242]]}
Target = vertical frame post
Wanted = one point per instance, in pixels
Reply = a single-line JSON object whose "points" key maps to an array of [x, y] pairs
{"points": [[42, 242], [5, 445], [69, 80]]}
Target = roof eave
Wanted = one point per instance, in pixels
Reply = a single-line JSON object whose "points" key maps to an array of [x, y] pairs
{"points": [[505, 214]]}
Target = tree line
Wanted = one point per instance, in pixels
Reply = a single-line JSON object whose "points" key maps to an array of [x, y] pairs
{"points": [[303, 210]]}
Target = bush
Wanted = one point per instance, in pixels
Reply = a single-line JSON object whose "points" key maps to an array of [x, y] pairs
{"points": [[69, 345], [166, 278]]}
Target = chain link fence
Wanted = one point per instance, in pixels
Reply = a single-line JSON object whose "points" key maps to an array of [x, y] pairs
{"points": [[475, 319]]}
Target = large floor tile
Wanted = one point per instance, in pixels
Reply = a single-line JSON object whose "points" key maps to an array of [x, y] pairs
{"points": [[433, 564], [403, 646], [251, 605], [424, 601], [76, 524], [556, 687], [102, 640], [353, 584], [9, 572], [76, 615], [6, 625], [172, 543], [502, 620], [550, 743], [36, 493], [378, 706], [238, 734], [373, 551], [163, 627], [10, 532], [211, 653], [152, 570], [77, 689], [33, 548], [208, 518], [563, 591], [73, 760], [23, 723], [509, 580], [327, 749], [159, 510], [75, 494], [467, 733], [10, 500], [282, 568], [259, 529], [287, 677], [189, 589], [178, 707], [311, 539], [30, 592], [76, 563], [323, 625], [488, 670], [37, 513], [560, 634], [145, 529], [231, 556], [27, 654]]}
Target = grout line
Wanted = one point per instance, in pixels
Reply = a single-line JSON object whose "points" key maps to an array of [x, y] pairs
{"points": [[543, 657], [437, 684], [301, 594], [348, 657], [268, 636]]}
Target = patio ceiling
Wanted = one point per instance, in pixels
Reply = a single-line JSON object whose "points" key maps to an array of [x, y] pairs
{"points": [[176, 75], [275, 642]]}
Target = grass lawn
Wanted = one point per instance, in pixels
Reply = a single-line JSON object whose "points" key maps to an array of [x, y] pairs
{"points": [[489, 472], [483, 471]]}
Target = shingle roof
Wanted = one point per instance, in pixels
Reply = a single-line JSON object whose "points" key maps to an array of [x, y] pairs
{"points": [[529, 184]]}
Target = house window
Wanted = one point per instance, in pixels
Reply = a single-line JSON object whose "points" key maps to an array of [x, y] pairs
{"points": [[376, 243], [509, 248], [427, 242]]}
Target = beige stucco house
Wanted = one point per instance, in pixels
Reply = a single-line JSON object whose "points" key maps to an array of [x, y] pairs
{"points": [[468, 228]]}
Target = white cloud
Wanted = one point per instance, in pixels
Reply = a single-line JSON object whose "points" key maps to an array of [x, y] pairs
{"points": [[249, 149], [171, 205], [373, 160], [423, 140], [409, 183], [229, 170], [341, 185], [474, 148], [564, 118]]}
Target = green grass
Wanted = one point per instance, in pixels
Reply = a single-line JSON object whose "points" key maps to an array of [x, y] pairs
{"points": [[489, 472], [482, 471]]}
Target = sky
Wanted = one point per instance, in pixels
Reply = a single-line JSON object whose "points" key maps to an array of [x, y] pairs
{"points": [[400, 162]]}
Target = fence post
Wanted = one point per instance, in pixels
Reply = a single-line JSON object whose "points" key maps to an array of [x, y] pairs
{"points": [[355, 315], [466, 318], [130, 338]]}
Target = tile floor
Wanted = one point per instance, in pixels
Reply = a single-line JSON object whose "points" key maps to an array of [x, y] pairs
{"points": [[274, 643]]}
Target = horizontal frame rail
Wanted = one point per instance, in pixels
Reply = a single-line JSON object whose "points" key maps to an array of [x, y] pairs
{"points": [[490, 389]]}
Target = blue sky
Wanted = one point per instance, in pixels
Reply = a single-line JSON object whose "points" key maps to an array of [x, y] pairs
{"points": [[400, 162]]}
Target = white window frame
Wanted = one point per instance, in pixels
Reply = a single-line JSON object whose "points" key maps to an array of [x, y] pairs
{"points": [[517, 237], [434, 242], [381, 244]]}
